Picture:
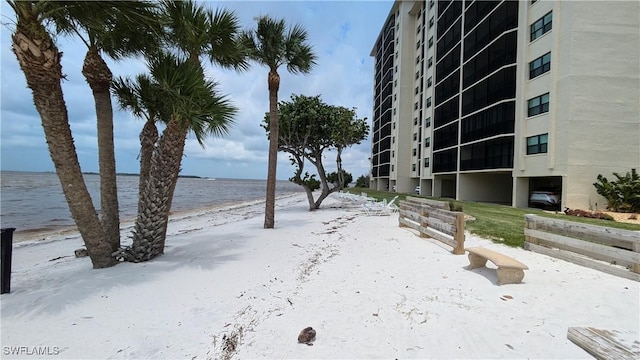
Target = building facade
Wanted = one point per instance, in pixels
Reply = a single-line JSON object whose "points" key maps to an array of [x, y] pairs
{"points": [[492, 100]]}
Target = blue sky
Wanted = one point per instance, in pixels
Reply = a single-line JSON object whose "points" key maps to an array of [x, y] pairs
{"points": [[342, 34]]}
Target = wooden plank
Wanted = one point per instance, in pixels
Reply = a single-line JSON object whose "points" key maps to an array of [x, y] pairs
{"points": [[444, 205], [458, 235], [609, 251], [576, 259], [407, 214], [441, 226], [410, 224], [603, 234], [600, 343], [444, 215], [591, 254], [439, 236]]}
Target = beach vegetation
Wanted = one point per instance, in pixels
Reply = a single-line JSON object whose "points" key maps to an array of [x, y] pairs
{"points": [[37, 24], [335, 179], [362, 181], [273, 44], [309, 129], [117, 29], [190, 103], [622, 194], [179, 96]]}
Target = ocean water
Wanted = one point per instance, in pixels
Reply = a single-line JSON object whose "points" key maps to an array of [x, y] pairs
{"points": [[31, 201]]}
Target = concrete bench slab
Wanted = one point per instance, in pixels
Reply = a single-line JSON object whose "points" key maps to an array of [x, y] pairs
{"points": [[510, 270]]}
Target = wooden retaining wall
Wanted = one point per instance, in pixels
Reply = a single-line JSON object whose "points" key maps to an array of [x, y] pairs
{"points": [[585, 244], [433, 219]]}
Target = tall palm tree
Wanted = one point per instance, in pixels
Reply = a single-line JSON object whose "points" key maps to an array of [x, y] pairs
{"points": [[39, 59], [195, 31], [117, 29], [189, 104], [272, 45]]}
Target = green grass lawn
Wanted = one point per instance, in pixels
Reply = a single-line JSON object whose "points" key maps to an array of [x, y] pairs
{"points": [[500, 223]]}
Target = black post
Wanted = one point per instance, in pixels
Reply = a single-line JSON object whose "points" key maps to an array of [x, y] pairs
{"points": [[5, 257]]}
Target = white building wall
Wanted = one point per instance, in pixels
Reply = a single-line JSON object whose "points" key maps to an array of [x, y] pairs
{"points": [[604, 104]]}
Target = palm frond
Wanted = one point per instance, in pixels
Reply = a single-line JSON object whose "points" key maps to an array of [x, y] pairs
{"points": [[226, 47], [272, 45], [118, 28]]}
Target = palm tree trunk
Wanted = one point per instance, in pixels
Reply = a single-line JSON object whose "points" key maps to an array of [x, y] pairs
{"points": [[150, 227], [274, 86], [39, 59], [148, 138], [99, 77]]}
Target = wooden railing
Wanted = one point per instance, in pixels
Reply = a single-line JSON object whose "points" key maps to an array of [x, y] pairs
{"points": [[597, 247], [433, 219]]}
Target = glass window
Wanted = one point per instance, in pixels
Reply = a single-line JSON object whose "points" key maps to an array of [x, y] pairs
{"points": [[430, 62], [540, 65], [537, 144], [539, 105], [426, 162], [413, 167], [415, 152], [427, 122], [431, 21], [430, 81], [415, 121], [429, 101], [541, 26], [415, 136], [430, 42], [427, 142]]}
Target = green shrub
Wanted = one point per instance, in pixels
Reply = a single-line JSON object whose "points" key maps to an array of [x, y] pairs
{"points": [[362, 181], [454, 206], [622, 195]]}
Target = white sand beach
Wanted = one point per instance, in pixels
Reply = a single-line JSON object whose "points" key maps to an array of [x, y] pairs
{"points": [[227, 288]]}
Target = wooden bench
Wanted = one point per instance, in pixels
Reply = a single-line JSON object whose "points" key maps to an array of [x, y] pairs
{"points": [[510, 270]]}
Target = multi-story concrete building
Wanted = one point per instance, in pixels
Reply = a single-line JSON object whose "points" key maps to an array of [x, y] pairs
{"points": [[492, 100]]}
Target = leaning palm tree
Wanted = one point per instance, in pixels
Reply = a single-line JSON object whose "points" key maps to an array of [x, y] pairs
{"points": [[199, 34], [117, 29], [141, 97], [270, 44], [39, 59], [190, 103]]}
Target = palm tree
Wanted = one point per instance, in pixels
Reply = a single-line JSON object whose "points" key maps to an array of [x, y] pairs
{"points": [[272, 45], [195, 31], [141, 97], [189, 104], [117, 29], [39, 59]]}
